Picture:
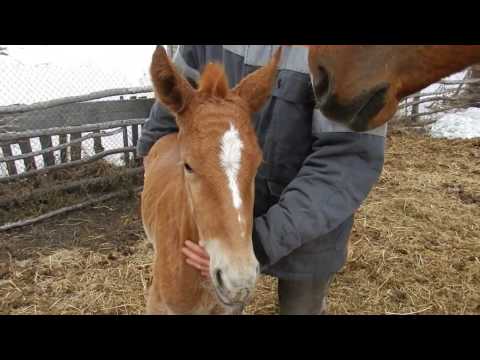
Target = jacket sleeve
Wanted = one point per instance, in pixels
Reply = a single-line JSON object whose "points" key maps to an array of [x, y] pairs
{"points": [[160, 121], [333, 182]]}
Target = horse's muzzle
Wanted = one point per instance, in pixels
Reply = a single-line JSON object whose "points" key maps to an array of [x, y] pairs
{"points": [[235, 286]]}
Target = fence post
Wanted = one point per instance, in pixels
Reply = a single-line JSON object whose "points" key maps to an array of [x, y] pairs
{"points": [[97, 143], [134, 135], [7, 151], [134, 143], [75, 149], [62, 139], [125, 144], [26, 148], [415, 109], [49, 158]]}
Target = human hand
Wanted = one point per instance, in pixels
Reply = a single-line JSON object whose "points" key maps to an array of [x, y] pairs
{"points": [[197, 257]]}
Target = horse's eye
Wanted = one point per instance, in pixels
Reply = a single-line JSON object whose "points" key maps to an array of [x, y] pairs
{"points": [[188, 168]]}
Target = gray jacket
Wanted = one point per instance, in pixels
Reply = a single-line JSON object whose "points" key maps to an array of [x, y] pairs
{"points": [[316, 173]]}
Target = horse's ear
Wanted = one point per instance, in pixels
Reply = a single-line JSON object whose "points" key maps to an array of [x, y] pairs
{"points": [[256, 88], [171, 88]]}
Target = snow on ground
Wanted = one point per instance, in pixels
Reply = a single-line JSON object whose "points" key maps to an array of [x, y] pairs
{"points": [[458, 125], [461, 124]]}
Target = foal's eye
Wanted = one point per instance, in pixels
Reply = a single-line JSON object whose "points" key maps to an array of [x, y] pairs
{"points": [[188, 168]]}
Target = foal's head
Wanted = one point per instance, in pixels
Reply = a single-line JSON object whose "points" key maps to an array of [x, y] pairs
{"points": [[220, 157]]}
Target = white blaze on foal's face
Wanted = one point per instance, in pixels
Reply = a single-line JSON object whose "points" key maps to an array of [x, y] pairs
{"points": [[231, 146]]}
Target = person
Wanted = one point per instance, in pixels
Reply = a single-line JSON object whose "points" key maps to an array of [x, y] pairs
{"points": [[315, 175]]}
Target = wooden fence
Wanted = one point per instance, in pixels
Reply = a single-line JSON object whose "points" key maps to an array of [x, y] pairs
{"points": [[69, 150], [77, 120], [449, 96], [95, 132], [70, 137]]}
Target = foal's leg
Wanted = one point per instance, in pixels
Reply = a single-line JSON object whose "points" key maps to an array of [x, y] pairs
{"points": [[155, 304]]}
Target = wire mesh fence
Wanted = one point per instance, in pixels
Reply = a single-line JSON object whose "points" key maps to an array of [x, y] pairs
{"points": [[31, 75], [118, 130]]}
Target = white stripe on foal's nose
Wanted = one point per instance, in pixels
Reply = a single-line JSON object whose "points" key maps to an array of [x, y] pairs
{"points": [[230, 159]]}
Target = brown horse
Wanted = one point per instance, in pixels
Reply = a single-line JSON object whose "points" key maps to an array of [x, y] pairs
{"points": [[361, 86], [199, 186]]}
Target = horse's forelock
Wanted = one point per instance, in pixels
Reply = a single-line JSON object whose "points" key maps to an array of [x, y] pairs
{"points": [[214, 81]]}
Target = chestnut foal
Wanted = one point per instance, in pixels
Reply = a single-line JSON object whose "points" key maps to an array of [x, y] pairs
{"points": [[199, 185]]}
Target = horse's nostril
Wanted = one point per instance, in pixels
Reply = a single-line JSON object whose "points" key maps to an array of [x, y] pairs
{"points": [[218, 278], [374, 104], [257, 269]]}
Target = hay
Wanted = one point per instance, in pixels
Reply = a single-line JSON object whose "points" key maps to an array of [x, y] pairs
{"points": [[415, 248], [18, 210]]}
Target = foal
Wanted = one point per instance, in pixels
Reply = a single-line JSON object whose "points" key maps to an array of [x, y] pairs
{"points": [[199, 185]]}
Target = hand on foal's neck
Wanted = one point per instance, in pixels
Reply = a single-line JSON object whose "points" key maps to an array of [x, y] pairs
{"points": [[197, 257]]}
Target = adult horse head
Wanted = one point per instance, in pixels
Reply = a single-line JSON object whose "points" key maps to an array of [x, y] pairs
{"points": [[361, 86]]}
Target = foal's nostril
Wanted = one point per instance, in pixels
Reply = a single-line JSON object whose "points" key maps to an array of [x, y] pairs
{"points": [[257, 269], [321, 83], [218, 278]]}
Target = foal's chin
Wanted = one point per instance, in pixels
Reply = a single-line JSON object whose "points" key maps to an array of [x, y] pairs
{"points": [[233, 273]]}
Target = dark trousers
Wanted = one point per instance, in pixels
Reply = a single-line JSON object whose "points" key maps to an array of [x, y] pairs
{"points": [[296, 297], [303, 297]]}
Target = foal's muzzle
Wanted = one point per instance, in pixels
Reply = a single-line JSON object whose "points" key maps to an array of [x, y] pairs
{"points": [[235, 285]]}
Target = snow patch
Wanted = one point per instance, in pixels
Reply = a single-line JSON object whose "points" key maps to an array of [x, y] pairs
{"points": [[458, 125]]}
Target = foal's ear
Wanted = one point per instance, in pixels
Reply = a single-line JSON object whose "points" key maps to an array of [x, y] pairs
{"points": [[171, 88], [256, 88]]}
